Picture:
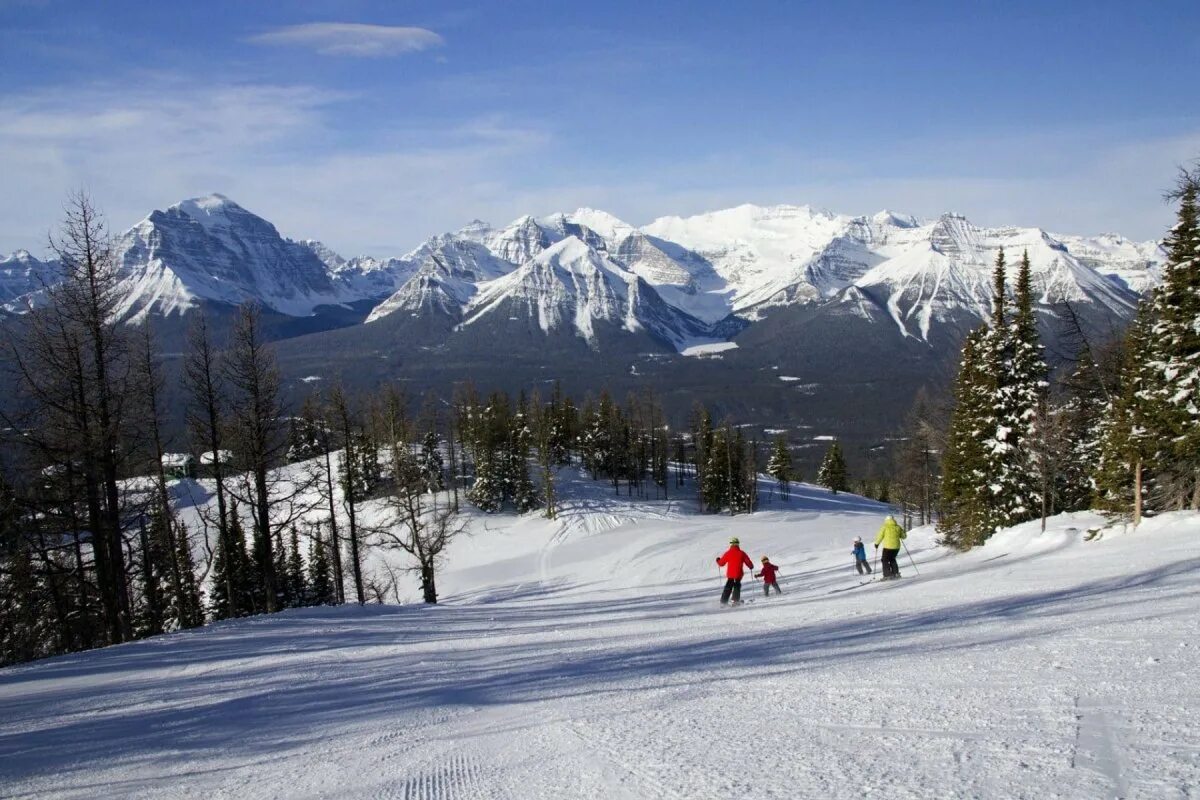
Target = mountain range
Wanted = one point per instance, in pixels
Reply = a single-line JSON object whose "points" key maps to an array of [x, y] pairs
{"points": [[708, 302]]}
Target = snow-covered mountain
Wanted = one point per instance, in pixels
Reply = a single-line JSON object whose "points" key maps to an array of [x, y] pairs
{"points": [[210, 248], [931, 273], [21, 274], [678, 279], [572, 285]]}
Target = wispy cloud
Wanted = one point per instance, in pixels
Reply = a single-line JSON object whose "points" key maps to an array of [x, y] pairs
{"points": [[274, 149], [353, 39]]}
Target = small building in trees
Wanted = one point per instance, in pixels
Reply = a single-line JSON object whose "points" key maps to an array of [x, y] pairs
{"points": [[179, 465], [208, 461]]}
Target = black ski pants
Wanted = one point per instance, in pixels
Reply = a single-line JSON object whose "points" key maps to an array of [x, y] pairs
{"points": [[733, 587], [890, 568], [767, 589], [862, 566]]}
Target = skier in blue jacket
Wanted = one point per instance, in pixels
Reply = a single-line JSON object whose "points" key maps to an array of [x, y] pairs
{"points": [[860, 556]]}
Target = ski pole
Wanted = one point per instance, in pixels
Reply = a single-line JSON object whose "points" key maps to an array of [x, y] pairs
{"points": [[910, 558], [877, 557]]}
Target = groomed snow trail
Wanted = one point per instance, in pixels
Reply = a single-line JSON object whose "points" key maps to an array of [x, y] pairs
{"points": [[587, 657]]}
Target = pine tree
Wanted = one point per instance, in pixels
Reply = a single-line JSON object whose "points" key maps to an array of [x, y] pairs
{"points": [[832, 474], [429, 461], [297, 580], [148, 613], [1024, 391], [188, 609], [24, 613], [779, 466], [283, 589], [518, 483], [487, 492], [964, 521], [714, 480], [320, 581], [1174, 396], [1130, 449]]}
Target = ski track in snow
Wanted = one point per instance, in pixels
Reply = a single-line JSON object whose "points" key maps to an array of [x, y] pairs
{"points": [[586, 657]]}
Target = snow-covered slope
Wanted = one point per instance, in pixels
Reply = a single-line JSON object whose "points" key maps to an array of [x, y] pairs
{"points": [[1136, 265], [587, 657]]}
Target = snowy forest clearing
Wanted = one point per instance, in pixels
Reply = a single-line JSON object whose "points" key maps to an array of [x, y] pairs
{"points": [[588, 657]]}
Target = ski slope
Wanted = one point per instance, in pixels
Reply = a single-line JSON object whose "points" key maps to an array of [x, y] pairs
{"points": [[588, 657]]}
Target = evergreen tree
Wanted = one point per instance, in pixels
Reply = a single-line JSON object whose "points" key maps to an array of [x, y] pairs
{"points": [[297, 580], [225, 571], [283, 588], [187, 607], [1173, 396], [1130, 448], [487, 492], [429, 461], [1022, 381], [320, 581], [148, 613], [779, 466], [714, 480], [832, 474], [24, 612], [964, 521], [518, 483]]}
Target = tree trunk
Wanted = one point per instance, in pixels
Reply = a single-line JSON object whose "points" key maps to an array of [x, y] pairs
{"points": [[1137, 493]]}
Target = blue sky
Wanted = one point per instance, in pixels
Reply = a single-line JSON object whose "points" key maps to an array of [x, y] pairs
{"points": [[371, 125]]}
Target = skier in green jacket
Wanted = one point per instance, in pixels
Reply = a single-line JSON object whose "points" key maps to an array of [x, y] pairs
{"points": [[890, 536]]}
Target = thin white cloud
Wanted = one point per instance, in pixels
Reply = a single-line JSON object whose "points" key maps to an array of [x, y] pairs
{"points": [[353, 39], [271, 148]]}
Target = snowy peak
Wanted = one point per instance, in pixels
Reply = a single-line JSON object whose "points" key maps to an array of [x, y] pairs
{"points": [[571, 285], [210, 248], [22, 274], [446, 273]]}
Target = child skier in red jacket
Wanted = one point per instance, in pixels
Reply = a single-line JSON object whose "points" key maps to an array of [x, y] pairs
{"points": [[768, 576], [734, 560]]}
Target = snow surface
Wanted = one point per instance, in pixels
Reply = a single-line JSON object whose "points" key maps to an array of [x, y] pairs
{"points": [[708, 348], [587, 657]]}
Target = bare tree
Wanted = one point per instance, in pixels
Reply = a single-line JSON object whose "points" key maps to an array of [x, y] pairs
{"points": [[150, 386], [258, 440], [422, 532], [206, 408], [73, 370]]}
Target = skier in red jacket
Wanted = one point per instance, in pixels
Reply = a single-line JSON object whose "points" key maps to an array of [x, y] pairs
{"points": [[768, 575], [735, 561]]}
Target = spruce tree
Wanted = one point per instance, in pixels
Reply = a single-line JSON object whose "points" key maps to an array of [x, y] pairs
{"points": [[715, 486], [429, 461], [487, 492], [320, 580], [779, 466], [1174, 395], [832, 474], [1024, 386], [1130, 448], [964, 521], [519, 485], [188, 608], [297, 580]]}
